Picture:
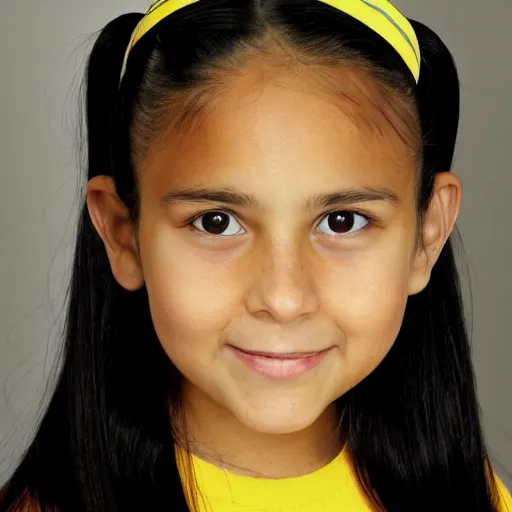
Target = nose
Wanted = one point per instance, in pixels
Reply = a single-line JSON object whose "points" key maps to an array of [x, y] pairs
{"points": [[282, 290]]}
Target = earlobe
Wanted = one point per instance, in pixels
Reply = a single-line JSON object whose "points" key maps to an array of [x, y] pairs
{"points": [[437, 226], [111, 219]]}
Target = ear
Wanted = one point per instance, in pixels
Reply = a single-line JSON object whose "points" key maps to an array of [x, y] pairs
{"points": [[111, 219], [438, 225]]}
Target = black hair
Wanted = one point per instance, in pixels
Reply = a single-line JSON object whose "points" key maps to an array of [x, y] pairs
{"points": [[106, 441]]}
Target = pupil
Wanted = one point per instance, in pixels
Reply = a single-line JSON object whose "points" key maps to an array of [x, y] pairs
{"points": [[215, 222], [341, 222]]}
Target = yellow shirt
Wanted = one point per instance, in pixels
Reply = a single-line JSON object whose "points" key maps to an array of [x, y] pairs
{"points": [[329, 489]]}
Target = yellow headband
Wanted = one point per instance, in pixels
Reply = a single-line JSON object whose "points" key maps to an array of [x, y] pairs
{"points": [[380, 15]]}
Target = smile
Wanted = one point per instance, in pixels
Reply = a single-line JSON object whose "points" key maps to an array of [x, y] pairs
{"points": [[280, 366]]}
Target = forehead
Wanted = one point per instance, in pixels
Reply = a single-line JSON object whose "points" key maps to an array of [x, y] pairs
{"points": [[286, 127]]}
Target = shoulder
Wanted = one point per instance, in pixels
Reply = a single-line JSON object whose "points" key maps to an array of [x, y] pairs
{"points": [[504, 497]]}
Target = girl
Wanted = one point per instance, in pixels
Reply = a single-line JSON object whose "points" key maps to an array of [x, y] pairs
{"points": [[264, 312]]}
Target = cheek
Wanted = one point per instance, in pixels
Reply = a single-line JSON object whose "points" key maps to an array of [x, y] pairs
{"points": [[368, 299], [191, 302], [375, 301]]}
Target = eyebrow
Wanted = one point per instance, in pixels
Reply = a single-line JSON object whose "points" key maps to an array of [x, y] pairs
{"points": [[233, 197]]}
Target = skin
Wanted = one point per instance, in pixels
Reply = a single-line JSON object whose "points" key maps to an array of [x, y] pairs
{"points": [[279, 279]]}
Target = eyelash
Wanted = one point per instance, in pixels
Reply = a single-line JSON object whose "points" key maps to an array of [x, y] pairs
{"points": [[368, 218]]}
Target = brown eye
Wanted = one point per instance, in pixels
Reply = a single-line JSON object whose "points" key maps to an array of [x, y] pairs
{"points": [[344, 222], [216, 223]]}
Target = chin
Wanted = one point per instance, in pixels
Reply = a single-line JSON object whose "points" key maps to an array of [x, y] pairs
{"points": [[278, 428], [278, 420]]}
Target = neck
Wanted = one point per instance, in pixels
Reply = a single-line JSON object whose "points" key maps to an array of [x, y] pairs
{"points": [[217, 436]]}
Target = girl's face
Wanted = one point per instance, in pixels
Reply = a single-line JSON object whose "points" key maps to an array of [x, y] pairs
{"points": [[273, 269], [302, 237]]}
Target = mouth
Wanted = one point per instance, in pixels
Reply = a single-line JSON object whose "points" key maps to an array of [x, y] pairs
{"points": [[280, 365], [281, 355]]}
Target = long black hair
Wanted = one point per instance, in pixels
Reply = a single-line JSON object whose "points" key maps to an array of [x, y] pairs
{"points": [[106, 442]]}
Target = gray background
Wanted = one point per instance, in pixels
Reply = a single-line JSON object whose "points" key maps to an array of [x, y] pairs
{"points": [[42, 49]]}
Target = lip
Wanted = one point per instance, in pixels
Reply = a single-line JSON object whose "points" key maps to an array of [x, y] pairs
{"points": [[280, 366], [285, 355]]}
